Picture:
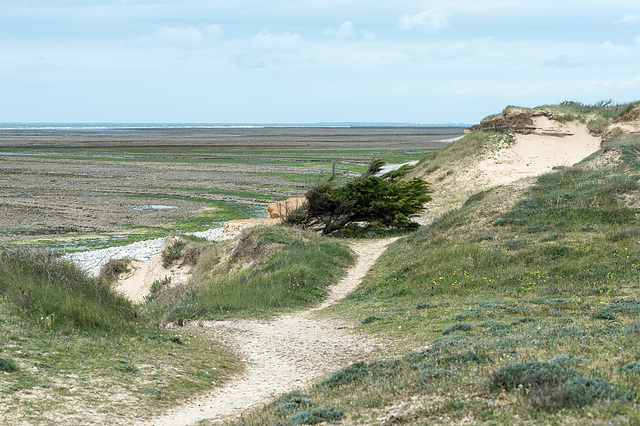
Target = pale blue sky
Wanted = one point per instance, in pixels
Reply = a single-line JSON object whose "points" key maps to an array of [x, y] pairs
{"points": [[307, 61]]}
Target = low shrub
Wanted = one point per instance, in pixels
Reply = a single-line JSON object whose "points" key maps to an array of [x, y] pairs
{"points": [[434, 373], [460, 326], [358, 371], [111, 270], [549, 385], [172, 253], [370, 319], [314, 416], [632, 368], [292, 402], [8, 365]]}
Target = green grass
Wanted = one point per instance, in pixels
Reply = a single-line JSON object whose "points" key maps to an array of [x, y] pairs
{"points": [[544, 285], [60, 295], [604, 110], [71, 346], [271, 269]]}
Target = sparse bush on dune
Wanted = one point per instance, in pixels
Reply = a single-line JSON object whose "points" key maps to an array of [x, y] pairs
{"points": [[114, 268], [548, 385]]}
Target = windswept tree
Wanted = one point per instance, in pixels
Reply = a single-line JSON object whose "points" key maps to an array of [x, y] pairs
{"points": [[374, 199]]}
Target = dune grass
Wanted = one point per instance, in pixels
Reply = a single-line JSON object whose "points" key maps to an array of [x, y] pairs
{"points": [[45, 289], [505, 310], [471, 147], [71, 346], [267, 270]]}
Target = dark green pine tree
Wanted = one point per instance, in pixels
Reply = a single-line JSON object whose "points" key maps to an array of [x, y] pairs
{"points": [[379, 200]]}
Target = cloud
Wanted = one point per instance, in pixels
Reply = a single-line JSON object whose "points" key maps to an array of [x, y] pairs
{"points": [[637, 39], [183, 37], [630, 84], [562, 61], [268, 39], [629, 20], [344, 30], [433, 20], [368, 35], [613, 48]]}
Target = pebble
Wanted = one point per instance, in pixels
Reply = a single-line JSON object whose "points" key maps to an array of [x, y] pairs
{"points": [[92, 261]]}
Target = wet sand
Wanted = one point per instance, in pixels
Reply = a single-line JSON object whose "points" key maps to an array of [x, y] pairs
{"points": [[75, 182]]}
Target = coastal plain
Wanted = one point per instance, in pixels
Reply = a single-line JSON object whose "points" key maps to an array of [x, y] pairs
{"points": [[77, 183]]}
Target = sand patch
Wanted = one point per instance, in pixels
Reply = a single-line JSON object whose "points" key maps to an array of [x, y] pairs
{"points": [[136, 283], [552, 144]]}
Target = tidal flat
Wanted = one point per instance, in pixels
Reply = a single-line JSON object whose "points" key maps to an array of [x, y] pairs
{"points": [[102, 184]]}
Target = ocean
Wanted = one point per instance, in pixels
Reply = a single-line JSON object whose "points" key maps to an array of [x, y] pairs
{"points": [[161, 126]]}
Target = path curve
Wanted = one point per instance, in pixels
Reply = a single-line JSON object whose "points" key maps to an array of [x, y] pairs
{"points": [[281, 354]]}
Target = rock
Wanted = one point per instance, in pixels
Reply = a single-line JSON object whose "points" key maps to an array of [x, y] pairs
{"points": [[280, 209]]}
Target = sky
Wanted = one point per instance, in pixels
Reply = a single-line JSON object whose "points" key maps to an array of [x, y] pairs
{"points": [[309, 61]]}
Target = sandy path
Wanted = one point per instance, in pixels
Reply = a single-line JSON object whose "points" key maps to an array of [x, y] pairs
{"points": [[281, 354]]}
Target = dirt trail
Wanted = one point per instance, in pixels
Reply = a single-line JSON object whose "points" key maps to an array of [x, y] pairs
{"points": [[281, 354]]}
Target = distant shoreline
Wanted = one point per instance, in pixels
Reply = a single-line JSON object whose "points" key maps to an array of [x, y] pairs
{"points": [[60, 126]]}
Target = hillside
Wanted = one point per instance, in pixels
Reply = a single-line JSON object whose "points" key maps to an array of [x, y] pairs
{"points": [[520, 306], [519, 143], [516, 303]]}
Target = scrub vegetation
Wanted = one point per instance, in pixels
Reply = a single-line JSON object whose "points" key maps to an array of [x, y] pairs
{"points": [[519, 307], [70, 344], [267, 270]]}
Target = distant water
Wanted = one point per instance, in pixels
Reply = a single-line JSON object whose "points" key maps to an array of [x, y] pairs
{"points": [[163, 126]]}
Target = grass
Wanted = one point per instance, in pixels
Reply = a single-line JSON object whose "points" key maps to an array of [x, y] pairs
{"points": [[70, 346], [269, 270], [60, 295], [472, 146], [522, 308]]}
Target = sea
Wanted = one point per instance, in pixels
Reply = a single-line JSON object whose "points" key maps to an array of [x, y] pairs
{"points": [[160, 126]]}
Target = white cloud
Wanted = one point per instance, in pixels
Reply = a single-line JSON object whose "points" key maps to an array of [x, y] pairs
{"points": [[629, 20], [630, 84], [266, 38], [183, 37], [368, 35], [614, 48], [433, 20], [344, 30], [637, 39]]}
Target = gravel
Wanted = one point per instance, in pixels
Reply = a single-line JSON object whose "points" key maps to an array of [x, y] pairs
{"points": [[93, 261]]}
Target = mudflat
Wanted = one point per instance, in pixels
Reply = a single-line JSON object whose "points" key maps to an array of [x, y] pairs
{"points": [[64, 183]]}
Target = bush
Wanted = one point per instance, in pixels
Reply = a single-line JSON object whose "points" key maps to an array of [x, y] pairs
{"points": [[378, 201], [7, 365], [314, 416], [111, 270], [370, 319], [632, 368], [349, 374], [292, 402], [550, 385], [460, 326], [172, 253]]}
